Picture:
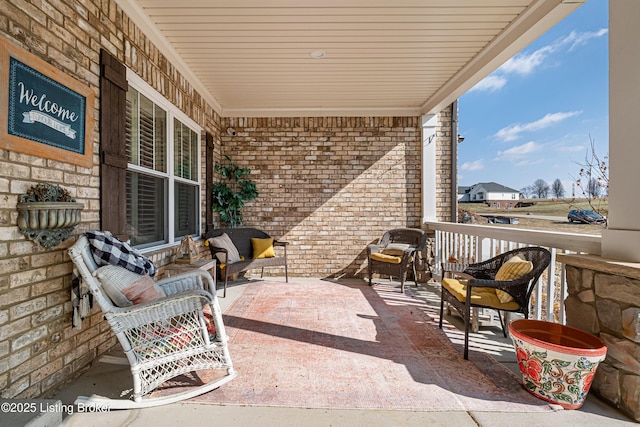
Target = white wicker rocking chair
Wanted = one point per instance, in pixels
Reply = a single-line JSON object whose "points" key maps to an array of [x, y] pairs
{"points": [[164, 338]]}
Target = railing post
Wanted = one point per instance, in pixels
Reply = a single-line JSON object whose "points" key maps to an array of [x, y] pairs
{"points": [[551, 288], [563, 294], [440, 247], [484, 249]]}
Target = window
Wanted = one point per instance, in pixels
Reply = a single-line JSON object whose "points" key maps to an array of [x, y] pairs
{"points": [[186, 190], [163, 153]]}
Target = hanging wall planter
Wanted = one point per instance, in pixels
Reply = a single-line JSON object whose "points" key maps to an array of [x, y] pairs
{"points": [[47, 214], [557, 362]]}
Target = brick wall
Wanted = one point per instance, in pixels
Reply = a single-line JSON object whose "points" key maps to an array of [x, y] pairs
{"points": [[330, 185], [444, 165]]}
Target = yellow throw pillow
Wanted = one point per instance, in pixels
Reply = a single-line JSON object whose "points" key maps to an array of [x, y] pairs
{"points": [[263, 248], [513, 269]]}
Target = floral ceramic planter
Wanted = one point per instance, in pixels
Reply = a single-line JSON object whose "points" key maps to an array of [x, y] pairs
{"points": [[557, 362]]}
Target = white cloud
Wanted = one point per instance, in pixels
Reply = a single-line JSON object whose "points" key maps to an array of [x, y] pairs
{"points": [[579, 39], [475, 165], [512, 132], [490, 84], [526, 63], [518, 152], [571, 149], [528, 162]]}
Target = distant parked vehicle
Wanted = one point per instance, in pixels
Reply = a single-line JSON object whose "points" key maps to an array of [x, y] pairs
{"points": [[586, 217]]}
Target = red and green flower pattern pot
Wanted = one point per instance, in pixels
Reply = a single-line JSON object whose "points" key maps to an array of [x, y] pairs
{"points": [[557, 362]]}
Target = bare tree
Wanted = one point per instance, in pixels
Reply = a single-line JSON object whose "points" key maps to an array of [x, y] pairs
{"points": [[527, 191], [593, 178], [557, 189], [541, 188], [593, 188]]}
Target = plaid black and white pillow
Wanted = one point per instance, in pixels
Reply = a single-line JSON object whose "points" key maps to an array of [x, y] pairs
{"points": [[108, 250]]}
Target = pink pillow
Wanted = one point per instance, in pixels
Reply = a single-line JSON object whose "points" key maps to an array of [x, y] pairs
{"points": [[142, 290]]}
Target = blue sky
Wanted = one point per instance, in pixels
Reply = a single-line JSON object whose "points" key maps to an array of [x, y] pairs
{"points": [[533, 118]]}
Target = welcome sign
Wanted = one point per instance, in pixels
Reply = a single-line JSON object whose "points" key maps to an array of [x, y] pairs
{"points": [[43, 112]]}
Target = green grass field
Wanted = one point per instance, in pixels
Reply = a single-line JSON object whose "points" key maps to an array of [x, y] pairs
{"points": [[549, 207], [544, 207]]}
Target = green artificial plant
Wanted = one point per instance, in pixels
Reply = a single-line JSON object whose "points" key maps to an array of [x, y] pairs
{"points": [[232, 191]]}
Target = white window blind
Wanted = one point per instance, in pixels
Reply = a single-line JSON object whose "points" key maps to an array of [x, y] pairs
{"points": [[163, 200]]}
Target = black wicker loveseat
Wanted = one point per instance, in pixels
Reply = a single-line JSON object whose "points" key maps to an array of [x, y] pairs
{"points": [[246, 247]]}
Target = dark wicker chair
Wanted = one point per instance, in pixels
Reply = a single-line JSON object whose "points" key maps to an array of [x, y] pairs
{"points": [[395, 253], [481, 286]]}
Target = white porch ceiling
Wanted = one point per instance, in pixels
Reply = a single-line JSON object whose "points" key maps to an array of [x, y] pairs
{"points": [[382, 57]]}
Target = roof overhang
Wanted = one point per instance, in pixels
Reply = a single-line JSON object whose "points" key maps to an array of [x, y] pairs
{"points": [[287, 58]]}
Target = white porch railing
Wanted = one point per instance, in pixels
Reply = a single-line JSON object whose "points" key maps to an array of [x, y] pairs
{"points": [[472, 243]]}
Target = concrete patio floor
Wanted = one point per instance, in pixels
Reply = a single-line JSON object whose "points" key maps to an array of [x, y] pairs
{"points": [[489, 339]]}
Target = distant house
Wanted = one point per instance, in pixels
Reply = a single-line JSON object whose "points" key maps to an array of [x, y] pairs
{"points": [[491, 193], [463, 193]]}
